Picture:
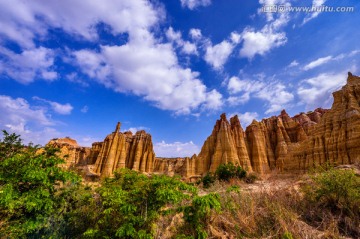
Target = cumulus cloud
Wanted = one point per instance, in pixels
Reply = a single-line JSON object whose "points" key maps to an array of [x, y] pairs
{"points": [[317, 91], [22, 21], [32, 123], [318, 62], [273, 92], [260, 42], [148, 69], [218, 54], [63, 109], [186, 46], [236, 85], [246, 118], [195, 33], [144, 65], [192, 4], [28, 65], [175, 149], [276, 95]]}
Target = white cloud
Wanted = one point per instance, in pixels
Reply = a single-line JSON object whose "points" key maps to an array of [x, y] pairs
{"points": [[317, 91], [236, 85], [273, 92], [186, 46], [84, 109], [269, 37], [23, 21], [63, 109], [293, 63], [149, 70], [213, 101], [192, 4], [33, 124], [29, 65], [235, 37], [176, 149], [246, 118], [315, 3], [218, 54], [136, 129], [276, 95], [318, 62], [143, 66], [260, 42], [195, 33]]}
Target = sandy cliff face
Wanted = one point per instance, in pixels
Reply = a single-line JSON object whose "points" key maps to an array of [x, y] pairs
{"points": [[120, 150], [70, 151], [335, 139], [226, 144]]}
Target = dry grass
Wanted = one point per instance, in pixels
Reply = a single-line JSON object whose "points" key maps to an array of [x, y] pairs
{"points": [[272, 208]]}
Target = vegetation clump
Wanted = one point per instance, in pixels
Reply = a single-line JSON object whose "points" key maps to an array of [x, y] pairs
{"points": [[40, 199]]}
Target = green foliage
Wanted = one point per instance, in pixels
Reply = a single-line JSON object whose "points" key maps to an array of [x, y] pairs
{"points": [[287, 235], [10, 145], [197, 214], [131, 203], [335, 189], [208, 180], [233, 188], [334, 192], [31, 200], [227, 171]]}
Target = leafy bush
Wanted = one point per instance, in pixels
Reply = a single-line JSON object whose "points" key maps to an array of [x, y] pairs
{"points": [[132, 202], [208, 180], [10, 145], [31, 183], [227, 171], [197, 214], [336, 193]]}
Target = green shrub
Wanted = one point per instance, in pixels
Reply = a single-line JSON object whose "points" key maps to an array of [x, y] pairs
{"points": [[31, 184], [132, 202], [197, 214], [227, 171], [336, 193], [335, 189], [208, 180]]}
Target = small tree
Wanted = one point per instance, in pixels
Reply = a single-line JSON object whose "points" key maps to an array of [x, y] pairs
{"points": [[131, 203], [208, 180], [10, 145], [227, 171], [30, 189]]}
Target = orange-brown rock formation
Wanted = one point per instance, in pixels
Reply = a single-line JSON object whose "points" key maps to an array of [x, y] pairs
{"points": [[120, 150], [70, 151], [276, 143], [289, 143], [336, 137]]}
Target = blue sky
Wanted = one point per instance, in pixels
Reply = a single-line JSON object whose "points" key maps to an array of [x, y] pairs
{"points": [[75, 68]]}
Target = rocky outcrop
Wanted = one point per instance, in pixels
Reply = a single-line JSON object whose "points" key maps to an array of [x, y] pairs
{"points": [[70, 151], [124, 150], [289, 143], [335, 139], [226, 144], [276, 143]]}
